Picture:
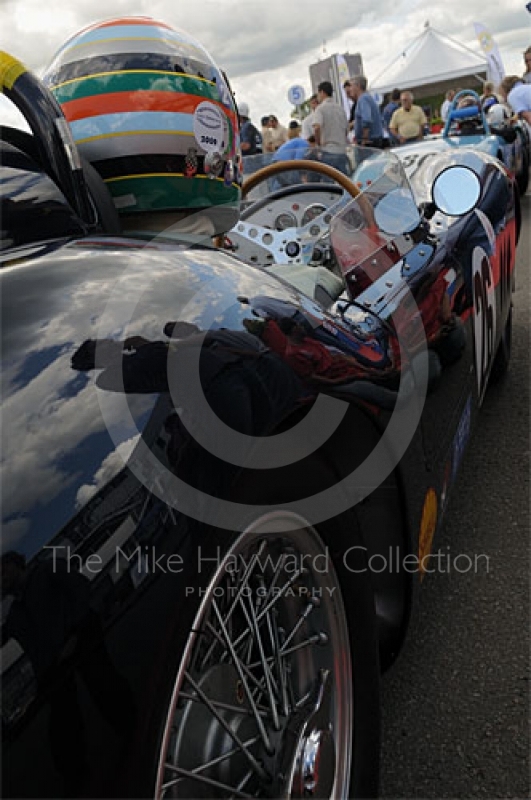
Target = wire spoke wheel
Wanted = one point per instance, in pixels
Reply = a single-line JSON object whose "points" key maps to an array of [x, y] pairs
{"points": [[262, 703]]}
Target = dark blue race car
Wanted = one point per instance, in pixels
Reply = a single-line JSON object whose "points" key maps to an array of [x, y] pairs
{"points": [[225, 464]]}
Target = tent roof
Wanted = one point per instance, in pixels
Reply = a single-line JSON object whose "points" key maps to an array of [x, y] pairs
{"points": [[431, 58]]}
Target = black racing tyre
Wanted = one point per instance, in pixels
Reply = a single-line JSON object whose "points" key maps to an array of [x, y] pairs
{"points": [[279, 670], [522, 180], [502, 358]]}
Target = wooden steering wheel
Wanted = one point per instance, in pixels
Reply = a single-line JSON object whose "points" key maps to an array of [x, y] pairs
{"points": [[300, 164]]}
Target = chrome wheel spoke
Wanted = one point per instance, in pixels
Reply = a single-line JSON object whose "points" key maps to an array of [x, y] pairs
{"points": [[280, 664], [241, 673], [267, 673], [224, 706], [186, 773], [302, 618], [215, 761], [270, 604], [247, 753], [243, 585]]}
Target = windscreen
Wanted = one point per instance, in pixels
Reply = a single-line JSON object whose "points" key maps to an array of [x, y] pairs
{"points": [[371, 233]]}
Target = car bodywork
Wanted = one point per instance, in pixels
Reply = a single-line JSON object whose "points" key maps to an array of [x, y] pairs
{"points": [[102, 484]]}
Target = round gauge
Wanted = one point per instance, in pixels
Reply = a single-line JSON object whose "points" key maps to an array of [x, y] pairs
{"points": [[312, 212], [285, 220]]}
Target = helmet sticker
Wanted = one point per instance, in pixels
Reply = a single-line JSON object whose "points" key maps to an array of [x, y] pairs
{"points": [[228, 175], [190, 161], [124, 201], [213, 165], [210, 128]]}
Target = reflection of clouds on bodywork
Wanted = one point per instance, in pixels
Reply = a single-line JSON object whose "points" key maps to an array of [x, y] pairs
{"points": [[42, 427], [58, 427], [110, 467], [13, 532]]}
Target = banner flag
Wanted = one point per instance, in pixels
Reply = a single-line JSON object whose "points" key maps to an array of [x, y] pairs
{"points": [[343, 75], [495, 68]]}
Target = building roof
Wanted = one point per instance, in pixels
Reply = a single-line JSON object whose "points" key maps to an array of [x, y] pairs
{"points": [[431, 58]]}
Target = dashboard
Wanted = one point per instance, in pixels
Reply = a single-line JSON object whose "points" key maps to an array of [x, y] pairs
{"points": [[286, 225], [293, 207]]}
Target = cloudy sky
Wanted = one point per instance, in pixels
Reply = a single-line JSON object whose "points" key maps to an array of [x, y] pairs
{"points": [[267, 46]]}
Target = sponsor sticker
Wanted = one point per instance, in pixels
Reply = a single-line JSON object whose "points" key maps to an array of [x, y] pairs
{"points": [[210, 128], [461, 437]]}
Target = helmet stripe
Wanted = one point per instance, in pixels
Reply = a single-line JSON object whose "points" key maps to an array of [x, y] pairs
{"points": [[133, 81], [117, 32], [130, 143], [129, 21], [122, 62], [126, 102], [139, 122], [138, 44], [156, 192]]}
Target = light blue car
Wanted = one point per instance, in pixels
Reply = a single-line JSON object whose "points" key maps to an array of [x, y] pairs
{"points": [[469, 128]]}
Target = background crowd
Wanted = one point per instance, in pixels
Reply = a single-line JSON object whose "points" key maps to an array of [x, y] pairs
{"points": [[328, 129]]}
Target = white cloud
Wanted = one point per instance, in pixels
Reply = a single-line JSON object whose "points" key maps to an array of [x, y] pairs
{"points": [[267, 47], [110, 467]]}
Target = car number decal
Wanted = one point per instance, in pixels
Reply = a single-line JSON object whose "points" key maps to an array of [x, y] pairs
{"points": [[484, 316]]}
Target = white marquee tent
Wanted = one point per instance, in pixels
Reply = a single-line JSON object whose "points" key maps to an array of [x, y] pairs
{"points": [[433, 61]]}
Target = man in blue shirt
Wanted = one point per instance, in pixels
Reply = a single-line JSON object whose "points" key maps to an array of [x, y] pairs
{"points": [[367, 121], [250, 136], [387, 113], [290, 150]]}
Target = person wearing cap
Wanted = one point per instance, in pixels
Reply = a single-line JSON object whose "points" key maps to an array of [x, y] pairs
{"points": [[250, 136]]}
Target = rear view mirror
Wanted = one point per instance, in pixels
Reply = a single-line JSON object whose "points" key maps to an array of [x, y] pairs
{"points": [[456, 191]]}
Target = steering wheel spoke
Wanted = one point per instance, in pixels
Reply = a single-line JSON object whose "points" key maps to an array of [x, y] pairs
{"points": [[265, 246]]}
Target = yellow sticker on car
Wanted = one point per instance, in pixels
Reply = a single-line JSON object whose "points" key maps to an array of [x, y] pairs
{"points": [[10, 69], [427, 529]]}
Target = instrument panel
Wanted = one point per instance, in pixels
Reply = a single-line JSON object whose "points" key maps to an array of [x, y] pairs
{"points": [[294, 209]]}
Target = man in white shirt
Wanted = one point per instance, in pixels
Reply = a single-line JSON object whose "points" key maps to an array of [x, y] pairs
{"points": [[518, 95], [307, 123], [330, 127], [445, 108], [527, 60]]}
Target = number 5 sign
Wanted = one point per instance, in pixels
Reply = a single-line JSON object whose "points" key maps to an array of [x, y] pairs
{"points": [[296, 95]]}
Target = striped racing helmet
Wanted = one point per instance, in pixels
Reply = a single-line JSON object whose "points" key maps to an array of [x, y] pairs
{"points": [[151, 111]]}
